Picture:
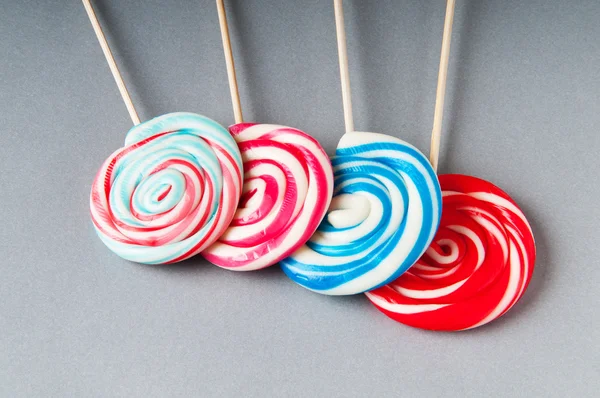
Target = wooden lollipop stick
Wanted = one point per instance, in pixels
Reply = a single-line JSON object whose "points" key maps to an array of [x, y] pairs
{"points": [[111, 62], [436, 132], [233, 86], [343, 60]]}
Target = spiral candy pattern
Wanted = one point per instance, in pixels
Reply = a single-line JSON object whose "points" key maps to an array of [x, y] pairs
{"points": [[288, 184], [170, 191], [478, 267], [384, 214]]}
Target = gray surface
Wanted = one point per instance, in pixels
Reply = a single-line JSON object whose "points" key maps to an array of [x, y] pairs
{"points": [[523, 111]]}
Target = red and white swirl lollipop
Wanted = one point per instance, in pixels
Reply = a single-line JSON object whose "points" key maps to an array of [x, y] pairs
{"points": [[482, 257], [476, 269], [288, 184]]}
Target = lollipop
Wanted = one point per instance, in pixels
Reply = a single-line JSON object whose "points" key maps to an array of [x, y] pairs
{"points": [[288, 183], [384, 213], [482, 257], [171, 190], [478, 267]]}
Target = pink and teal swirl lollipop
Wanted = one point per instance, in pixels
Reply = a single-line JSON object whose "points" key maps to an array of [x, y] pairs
{"points": [[171, 190]]}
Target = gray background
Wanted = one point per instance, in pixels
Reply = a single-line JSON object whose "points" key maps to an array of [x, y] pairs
{"points": [[523, 111]]}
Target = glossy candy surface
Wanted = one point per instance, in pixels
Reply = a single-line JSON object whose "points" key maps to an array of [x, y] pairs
{"points": [[478, 267], [384, 214], [288, 183], [171, 191]]}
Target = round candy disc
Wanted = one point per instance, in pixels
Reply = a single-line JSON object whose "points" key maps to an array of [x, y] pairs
{"points": [[384, 214], [170, 191], [288, 183], [478, 267]]}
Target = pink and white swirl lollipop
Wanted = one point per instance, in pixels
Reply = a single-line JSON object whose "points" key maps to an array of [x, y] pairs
{"points": [[288, 184]]}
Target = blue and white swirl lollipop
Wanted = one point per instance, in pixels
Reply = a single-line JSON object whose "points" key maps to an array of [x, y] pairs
{"points": [[385, 211]]}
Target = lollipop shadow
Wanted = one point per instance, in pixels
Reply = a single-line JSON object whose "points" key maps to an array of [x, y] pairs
{"points": [[392, 45], [199, 264], [271, 273], [191, 265], [128, 56], [355, 301], [459, 85], [241, 28]]}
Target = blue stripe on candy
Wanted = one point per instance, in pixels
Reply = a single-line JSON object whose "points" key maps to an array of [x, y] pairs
{"points": [[147, 193]]}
